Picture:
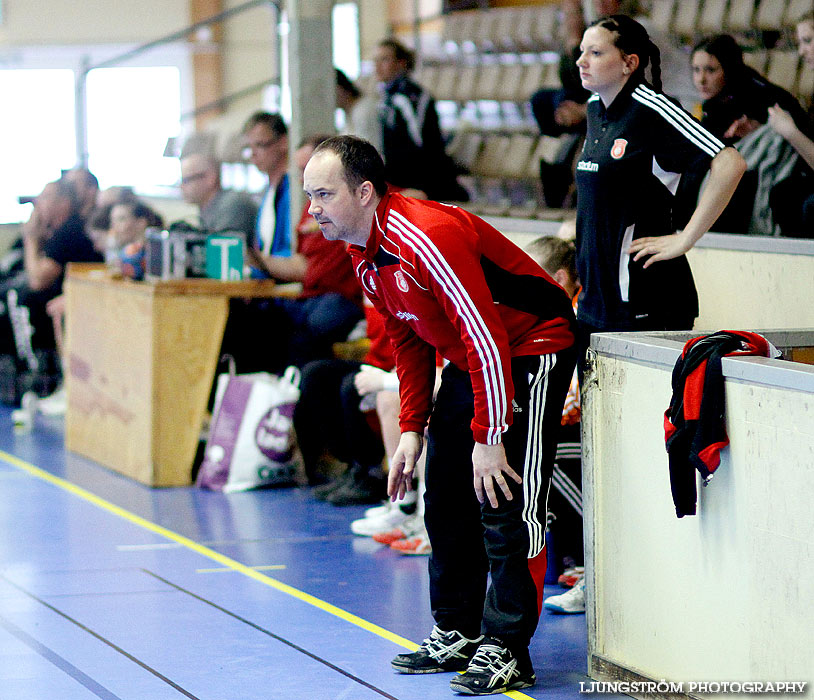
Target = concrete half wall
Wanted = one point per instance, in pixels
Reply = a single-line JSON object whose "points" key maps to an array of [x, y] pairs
{"points": [[724, 595]]}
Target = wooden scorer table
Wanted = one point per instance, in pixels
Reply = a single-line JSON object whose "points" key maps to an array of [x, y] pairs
{"points": [[140, 359]]}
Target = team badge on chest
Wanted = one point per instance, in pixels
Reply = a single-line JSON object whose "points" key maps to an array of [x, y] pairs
{"points": [[401, 283], [618, 148]]}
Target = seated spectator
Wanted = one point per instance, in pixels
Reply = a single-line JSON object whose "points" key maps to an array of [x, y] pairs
{"points": [[267, 141], [735, 107], [332, 418], [361, 111], [53, 237], [220, 210], [86, 186], [129, 221], [324, 312], [412, 144], [117, 193], [735, 97], [792, 200]]}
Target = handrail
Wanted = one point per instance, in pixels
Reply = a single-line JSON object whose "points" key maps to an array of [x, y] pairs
{"points": [[182, 33], [226, 99], [81, 82]]}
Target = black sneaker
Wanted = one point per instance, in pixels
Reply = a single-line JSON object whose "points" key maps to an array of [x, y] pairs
{"points": [[358, 492], [492, 670], [443, 651], [322, 491]]}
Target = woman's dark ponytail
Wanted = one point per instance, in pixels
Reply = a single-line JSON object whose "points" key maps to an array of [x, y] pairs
{"points": [[655, 66], [630, 38]]}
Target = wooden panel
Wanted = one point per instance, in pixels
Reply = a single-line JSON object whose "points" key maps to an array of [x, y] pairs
{"points": [[187, 337], [109, 375], [140, 361], [207, 60]]}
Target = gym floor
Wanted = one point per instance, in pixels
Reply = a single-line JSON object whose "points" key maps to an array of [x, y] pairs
{"points": [[110, 589]]}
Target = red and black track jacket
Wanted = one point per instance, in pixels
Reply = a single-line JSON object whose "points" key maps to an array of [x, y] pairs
{"points": [[694, 430], [446, 280]]}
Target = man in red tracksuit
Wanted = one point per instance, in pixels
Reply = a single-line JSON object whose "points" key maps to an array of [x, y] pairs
{"points": [[446, 280]]}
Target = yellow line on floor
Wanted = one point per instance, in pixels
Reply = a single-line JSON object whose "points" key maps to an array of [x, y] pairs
{"points": [[224, 561]]}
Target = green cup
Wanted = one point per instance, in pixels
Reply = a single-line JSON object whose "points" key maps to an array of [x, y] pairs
{"points": [[224, 256]]}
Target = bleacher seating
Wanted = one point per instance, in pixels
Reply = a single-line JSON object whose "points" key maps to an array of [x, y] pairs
{"points": [[795, 10], [782, 68], [770, 14], [487, 63], [496, 58], [757, 59], [466, 80], [712, 16], [493, 79], [685, 18], [739, 17]]}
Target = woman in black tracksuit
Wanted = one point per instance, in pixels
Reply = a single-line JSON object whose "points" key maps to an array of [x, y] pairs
{"points": [[630, 259]]}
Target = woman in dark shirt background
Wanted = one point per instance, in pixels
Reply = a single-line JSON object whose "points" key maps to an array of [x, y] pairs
{"points": [[736, 98]]}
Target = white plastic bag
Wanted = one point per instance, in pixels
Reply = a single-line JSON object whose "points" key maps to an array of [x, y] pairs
{"points": [[251, 437]]}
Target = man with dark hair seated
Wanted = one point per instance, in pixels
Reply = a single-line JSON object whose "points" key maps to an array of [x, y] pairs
{"points": [[328, 307], [267, 143]]}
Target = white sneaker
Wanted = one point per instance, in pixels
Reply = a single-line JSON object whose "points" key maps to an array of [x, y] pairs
{"points": [[378, 511], [410, 498], [23, 417], [54, 405], [385, 522], [569, 603]]}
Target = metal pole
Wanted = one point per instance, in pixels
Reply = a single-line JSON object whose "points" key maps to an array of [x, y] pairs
{"points": [[311, 78], [81, 112]]}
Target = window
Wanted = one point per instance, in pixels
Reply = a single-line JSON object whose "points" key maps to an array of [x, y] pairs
{"points": [[37, 135], [131, 110], [346, 38], [131, 114]]}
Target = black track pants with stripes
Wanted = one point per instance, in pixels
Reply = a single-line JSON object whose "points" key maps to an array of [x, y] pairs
{"points": [[470, 541]]}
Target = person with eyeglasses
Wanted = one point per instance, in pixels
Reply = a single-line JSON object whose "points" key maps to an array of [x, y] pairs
{"points": [[267, 147], [329, 305], [220, 210]]}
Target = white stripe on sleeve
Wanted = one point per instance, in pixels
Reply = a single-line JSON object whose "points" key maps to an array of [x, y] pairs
{"points": [[682, 121], [484, 343]]}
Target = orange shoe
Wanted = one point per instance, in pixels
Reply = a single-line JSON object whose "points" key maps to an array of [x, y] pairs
{"points": [[408, 528], [570, 577], [414, 546]]}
